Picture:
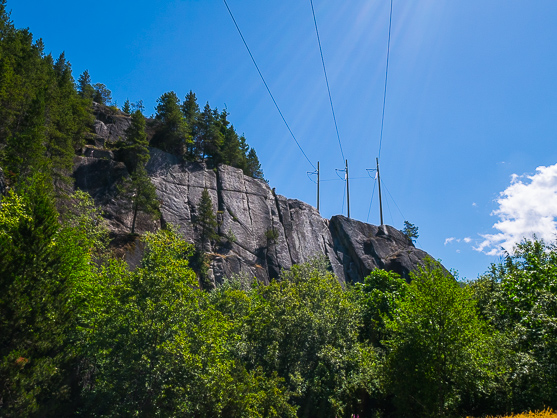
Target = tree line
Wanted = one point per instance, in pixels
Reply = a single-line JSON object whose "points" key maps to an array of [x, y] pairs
{"points": [[185, 130], [46, 117], [82, 334]]}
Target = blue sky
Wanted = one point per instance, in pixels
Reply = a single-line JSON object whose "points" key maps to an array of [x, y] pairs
{"points": [[468, 148]]}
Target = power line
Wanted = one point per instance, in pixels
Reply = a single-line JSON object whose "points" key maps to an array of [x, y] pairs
{"points": [[394, 201], [386, 77], [266, 86], [343, 197], [327, 80], [371, 201]]}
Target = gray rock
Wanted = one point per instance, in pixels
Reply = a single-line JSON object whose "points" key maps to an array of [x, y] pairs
{"points": [[110, 124], [365, 247], [100, 177], [261, 233], [93, 152]]}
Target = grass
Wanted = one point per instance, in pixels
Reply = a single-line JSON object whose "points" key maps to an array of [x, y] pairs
{"points": [[546, 413]]}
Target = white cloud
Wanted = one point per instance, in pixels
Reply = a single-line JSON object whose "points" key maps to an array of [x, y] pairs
{"points": [[527, 207], [449, 240], [467, 240]]}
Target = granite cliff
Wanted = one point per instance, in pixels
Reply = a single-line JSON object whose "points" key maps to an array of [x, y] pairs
{"points": [[260, 232]]}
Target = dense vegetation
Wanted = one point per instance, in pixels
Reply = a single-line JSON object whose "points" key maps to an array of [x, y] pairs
{"points": [[83, 335], [45, 117]]}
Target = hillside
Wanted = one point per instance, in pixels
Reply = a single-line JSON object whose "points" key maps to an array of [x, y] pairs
{"points": [[259, 231]]}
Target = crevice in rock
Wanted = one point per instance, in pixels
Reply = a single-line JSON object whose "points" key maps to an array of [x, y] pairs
{"points": [[220, 199], [281, 220], [247, 202]]}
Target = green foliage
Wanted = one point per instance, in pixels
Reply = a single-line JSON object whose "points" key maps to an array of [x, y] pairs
{"points": [[230, 236], [102, 94], [44, 282], [378, 296], [135, 151], [411, 231], [438, 348], [158, 347], [127, 107], [42, 117], [272, 236], [208, 136], [253, 167], [205, 220], [519, 297], [172, 133], [304, 328], [138, 190], [86, 90]]}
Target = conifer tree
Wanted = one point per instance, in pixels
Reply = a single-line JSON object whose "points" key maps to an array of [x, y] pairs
{"points": [[210, 138], [136, 150], [138, 189], [253, 167], [86, 90], [190, 110], [172, 135], [127, 107], [67, 118], [140, 192], [206, 221]]}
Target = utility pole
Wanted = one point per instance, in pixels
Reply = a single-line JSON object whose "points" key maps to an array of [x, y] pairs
{"points": [[379, 182], [347, 191], [317, 186]]}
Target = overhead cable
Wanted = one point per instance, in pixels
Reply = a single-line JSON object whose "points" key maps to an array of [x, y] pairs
{"points": [[386, 77], [392, 198], [266, 86], [371, 201], [327, 80]]}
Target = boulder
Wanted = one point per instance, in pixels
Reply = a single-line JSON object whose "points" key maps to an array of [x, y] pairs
{"points": [[365, 247]]}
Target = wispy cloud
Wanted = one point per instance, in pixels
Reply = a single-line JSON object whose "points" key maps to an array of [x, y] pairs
{"points": [[527, 207], [449, 240], [467, 240]]}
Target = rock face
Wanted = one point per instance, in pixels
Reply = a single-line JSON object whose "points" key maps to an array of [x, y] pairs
{"points": [[110, 124], [261, 233], [364, 247]]}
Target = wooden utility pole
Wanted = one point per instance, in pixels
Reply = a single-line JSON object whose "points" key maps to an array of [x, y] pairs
{"points": [[317, 186], [379, 182], [347, 191]]}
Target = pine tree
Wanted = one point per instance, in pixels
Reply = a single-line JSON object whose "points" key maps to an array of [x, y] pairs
{"points": [[206, 221], [25, 150], [86, 90], [140, 192], [411, 231], [127, 107], [210, 137], [232, 153], [173, 134], [253, 168], [67, 117], [136, 149], [190, 110]]}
